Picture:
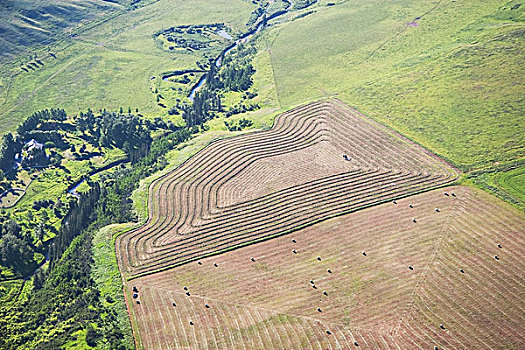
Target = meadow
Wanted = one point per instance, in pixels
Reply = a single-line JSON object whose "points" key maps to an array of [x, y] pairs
{"points": [[448, 75], [110, 64]]}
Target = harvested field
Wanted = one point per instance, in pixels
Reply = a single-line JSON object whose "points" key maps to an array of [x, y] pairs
{"points": [[261, 185], [373, 299]]}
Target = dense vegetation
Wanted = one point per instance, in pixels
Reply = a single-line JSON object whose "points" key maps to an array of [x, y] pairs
{"points": [[64, 305]]}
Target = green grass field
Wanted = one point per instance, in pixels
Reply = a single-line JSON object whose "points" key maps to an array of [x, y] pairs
{"points": [[451, 81], [110, 65]]}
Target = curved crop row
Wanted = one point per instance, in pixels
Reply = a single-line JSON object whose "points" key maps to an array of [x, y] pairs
{"points": [[346, 163], [456, 295]]}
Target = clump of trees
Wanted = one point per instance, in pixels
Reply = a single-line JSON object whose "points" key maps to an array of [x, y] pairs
{"points": [[16, 247], [235, 74], [8, 148], [125, 131], [241, 124]]}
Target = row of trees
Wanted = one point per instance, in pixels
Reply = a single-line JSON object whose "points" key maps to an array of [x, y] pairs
{"points": [[36, 118]]}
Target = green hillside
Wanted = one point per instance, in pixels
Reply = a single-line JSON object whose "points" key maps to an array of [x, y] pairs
{"points": [[447, 74]]}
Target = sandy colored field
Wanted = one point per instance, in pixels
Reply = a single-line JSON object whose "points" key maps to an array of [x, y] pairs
{"points": [[375, 300], [261, 185]]}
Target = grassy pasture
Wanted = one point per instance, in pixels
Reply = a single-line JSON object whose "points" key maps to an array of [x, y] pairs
{"points": [[452, 81], [28, 25], [110, 65], [442, 83]]}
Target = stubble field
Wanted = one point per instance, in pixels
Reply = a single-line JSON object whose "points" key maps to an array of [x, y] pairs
{"points": [[415, 277], [254, 187]]}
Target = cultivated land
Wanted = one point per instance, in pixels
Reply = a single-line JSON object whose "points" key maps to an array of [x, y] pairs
{"points": [[375, 299], [257, 186]]}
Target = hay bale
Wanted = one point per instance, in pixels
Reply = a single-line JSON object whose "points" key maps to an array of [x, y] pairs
{"points": [[437, 210], [414, 221], [319, 309], [312, 281], [191, 323], [138, 302], [496, 257], [325, 293], [364, 253], [185, 288], [200, 263], [461, 270], [410, 267], [394, 201], [206, 306], [453, 194], [328, 332], [252, 259], [319, 258], [446, 194], [294, 241], [499, 246], [442, 326], [215, 264], [174, 304], [135, 295], [188, 293], [329, 271], [411, 206], [356, 343], [135, 289], [294, 251]]}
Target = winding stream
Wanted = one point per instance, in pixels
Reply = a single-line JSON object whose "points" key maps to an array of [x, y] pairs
{"points": [[244, 38], [73, 188]]}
